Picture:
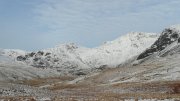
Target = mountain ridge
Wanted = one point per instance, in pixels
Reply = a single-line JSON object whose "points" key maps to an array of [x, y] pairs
{"points": [[73, 58]]}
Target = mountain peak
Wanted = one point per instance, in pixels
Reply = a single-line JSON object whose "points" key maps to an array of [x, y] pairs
{"points": [[133, 36], [68, 46], [167, 37], [141, 35]]}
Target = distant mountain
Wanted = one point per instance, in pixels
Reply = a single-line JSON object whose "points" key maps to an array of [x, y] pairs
{"points": [[70, 57], [116, 52]]}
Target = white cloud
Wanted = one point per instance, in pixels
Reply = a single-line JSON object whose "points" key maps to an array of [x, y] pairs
{"points": [[106, 18]]}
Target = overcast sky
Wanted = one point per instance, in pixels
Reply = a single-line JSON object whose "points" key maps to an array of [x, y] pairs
{"points": [[39, 24]]}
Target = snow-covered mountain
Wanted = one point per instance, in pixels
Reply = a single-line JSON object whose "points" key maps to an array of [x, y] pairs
{"points": [[169, 38], [153, 68], [159, 62], [115, 52], [162, 57], [72, 57]]}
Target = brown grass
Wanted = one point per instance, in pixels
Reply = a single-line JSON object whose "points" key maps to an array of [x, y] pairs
{"points": [[83, 89], [18, 98], [110, 96], [173, 86], [66, 86], [121, 97], [42, 81], [139, 95]]}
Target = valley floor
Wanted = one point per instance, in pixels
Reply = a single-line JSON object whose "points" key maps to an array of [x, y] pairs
{"points": [[60, 89]]}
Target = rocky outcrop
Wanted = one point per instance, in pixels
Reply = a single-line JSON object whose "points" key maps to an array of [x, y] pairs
{"points": [[167, 37]]}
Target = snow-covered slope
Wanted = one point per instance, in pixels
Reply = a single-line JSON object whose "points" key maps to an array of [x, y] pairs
{"points": [[70, 57], [115, 52], [14, 71], [167, 37], [12, 52], [161, 60]]}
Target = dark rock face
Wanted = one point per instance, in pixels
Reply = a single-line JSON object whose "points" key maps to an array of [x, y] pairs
{"points": [[179, 40], [167, 37], [103, 67], [21, 58], [80, 73], [40, 52], [47, 54], [38, 61], [32, 54]]}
